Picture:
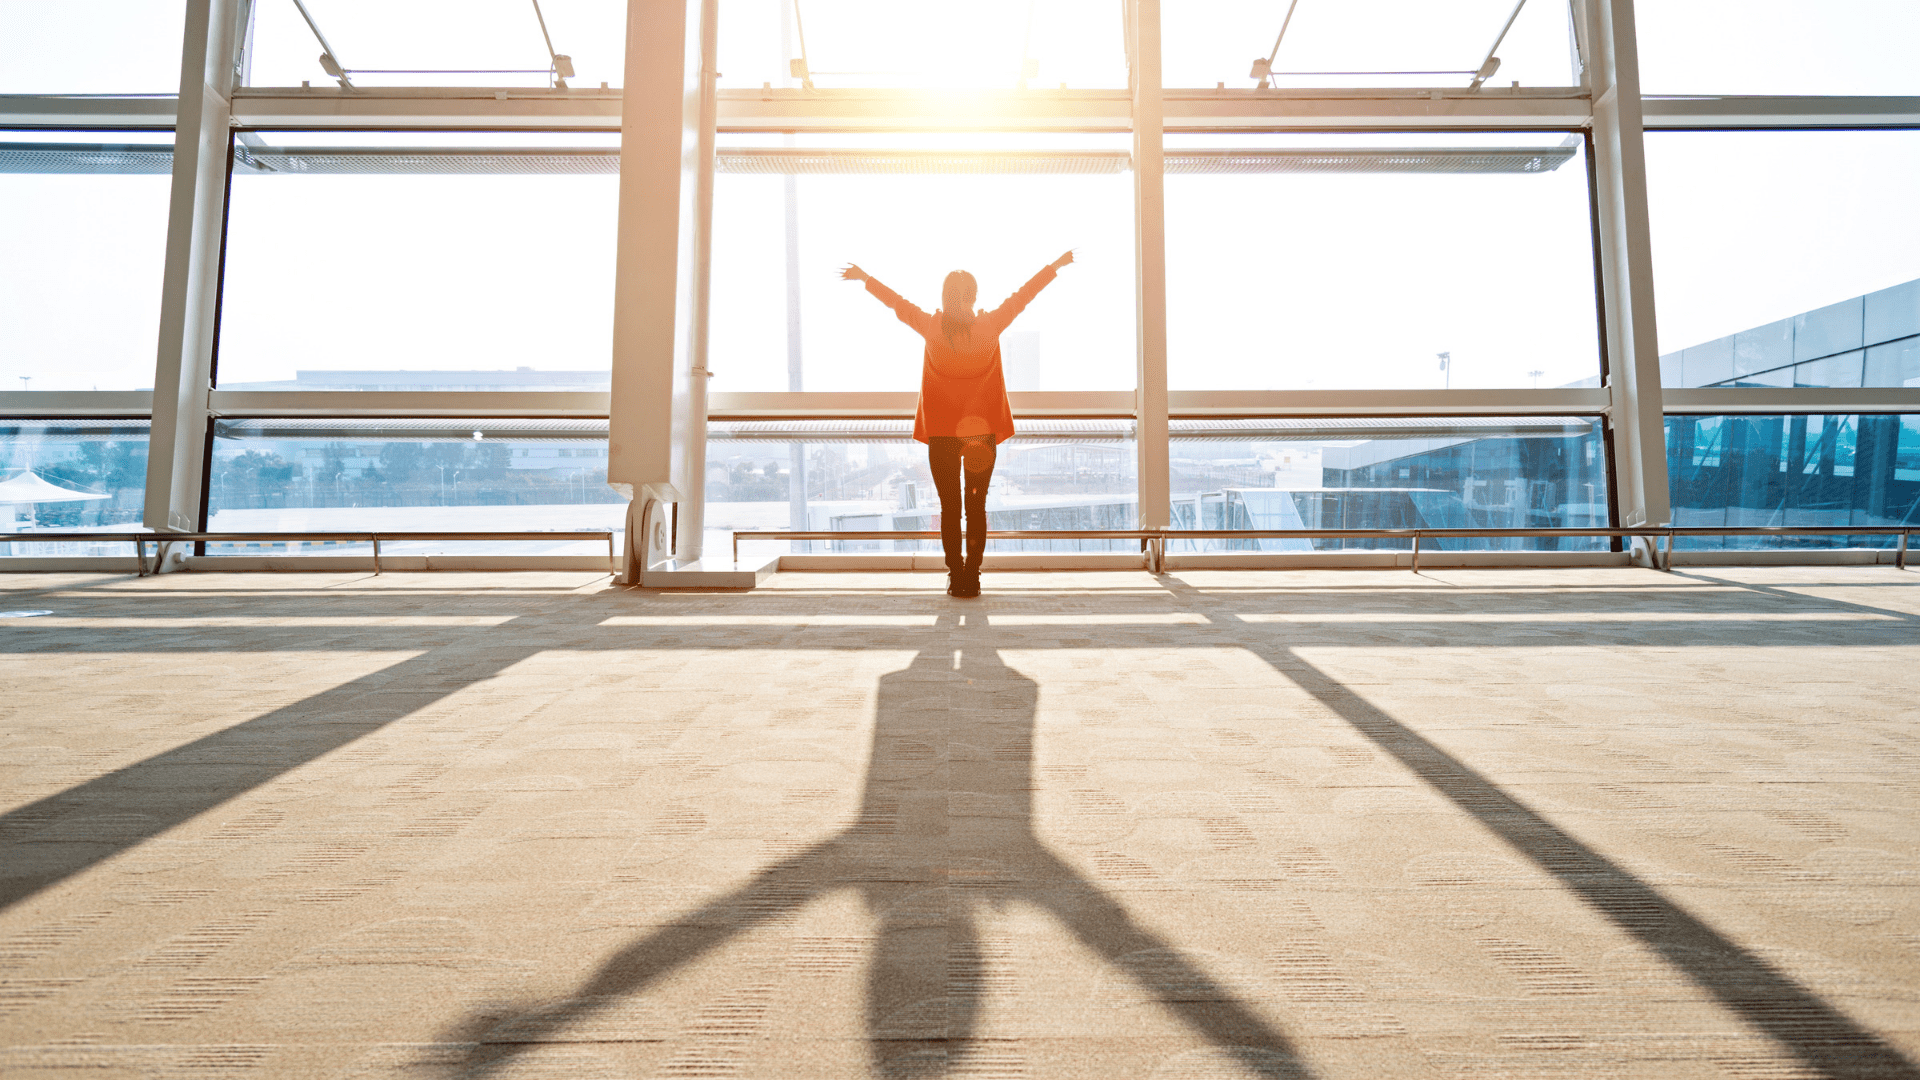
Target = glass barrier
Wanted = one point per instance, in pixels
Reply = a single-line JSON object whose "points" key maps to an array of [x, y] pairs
{"points": [[420, 261], [411, 476], [551, 44], [1783, 278], [1545, 472], [1366, 43], [1400, 261], [1860, 47], [1793, 470], [91, 46], [790, 212], [870, 475], [71, 476], [85, 238]]}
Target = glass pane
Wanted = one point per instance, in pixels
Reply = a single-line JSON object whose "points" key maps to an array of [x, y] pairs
{"points": [[1779, 46], [71, 476], [411, 476], [1812, 253], [984, 44], [1379, 261], [84, 238], [440, 43], [420, 261], [91, 46], [1793, 470], [1546, 472], [869, 475], [1369, 43], [789, 215]]}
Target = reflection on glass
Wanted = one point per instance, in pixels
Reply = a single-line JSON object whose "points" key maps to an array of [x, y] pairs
{"points": [[1480, 472], [1793, 470], [440, 43], [885, 43], [420, 262], [1366, 43], [1758, 236], [85, 245], [1352, 262], [1778, 46], [1826, 342], [411, 475], [868, 475], [90, 46], [908, 210], [71, 476]]}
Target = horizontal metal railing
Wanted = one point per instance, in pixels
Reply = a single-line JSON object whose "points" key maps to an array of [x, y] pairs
{"points": [[162, 541], [1153, 541]]}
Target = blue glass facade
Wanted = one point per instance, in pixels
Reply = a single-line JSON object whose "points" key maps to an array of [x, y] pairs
{"points": [[1793, 470]]}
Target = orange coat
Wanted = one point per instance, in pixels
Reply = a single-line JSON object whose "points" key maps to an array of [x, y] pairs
{"points": [[962, 389]]}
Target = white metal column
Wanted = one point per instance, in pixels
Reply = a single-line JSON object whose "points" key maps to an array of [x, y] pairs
{"points": [[1150, 272], [1626, 260], [183, 367], [653, 420]]}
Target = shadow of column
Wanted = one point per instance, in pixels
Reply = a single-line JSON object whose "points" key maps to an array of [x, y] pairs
{"points": [[1765, 998]]}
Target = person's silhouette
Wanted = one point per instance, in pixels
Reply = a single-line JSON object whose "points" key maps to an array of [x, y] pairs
{"points": [[963, 412], [953, 728]]}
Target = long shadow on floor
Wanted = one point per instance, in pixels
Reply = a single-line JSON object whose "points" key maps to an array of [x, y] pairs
{"points": [[129, 806], [1762, 996], [947, 810]]}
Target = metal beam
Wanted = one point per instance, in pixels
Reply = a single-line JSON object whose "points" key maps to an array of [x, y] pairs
{"points": [[1626, 265], [183, 369], [29, 404], [375, 403], [1768, 400], [1150, 261], [871, 110], [651, 417], [1578, 402]]}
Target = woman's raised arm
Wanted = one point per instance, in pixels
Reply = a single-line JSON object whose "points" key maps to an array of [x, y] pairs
{"points": [[912, 316]]}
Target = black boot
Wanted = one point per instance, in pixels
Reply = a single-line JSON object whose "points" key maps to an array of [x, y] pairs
{"points": [[969, 584], [954, 580]]}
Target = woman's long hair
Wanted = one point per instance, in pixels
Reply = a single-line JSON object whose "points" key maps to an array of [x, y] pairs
{"points": [[956, 304]]}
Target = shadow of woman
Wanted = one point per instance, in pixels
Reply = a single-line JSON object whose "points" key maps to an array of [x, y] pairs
{"points": [[944, 832]]}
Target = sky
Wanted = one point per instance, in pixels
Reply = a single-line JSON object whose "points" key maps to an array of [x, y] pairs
{"points": [[1274, 281]]}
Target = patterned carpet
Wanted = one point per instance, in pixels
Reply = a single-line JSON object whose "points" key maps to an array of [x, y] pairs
{"points": [[1466, 824]]}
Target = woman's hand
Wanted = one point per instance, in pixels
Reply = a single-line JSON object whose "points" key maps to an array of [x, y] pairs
{"points": [[850, 272], [1061, 261]]}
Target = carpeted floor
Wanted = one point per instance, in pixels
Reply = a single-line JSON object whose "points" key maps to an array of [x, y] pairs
{"points": [[1473, 824]]}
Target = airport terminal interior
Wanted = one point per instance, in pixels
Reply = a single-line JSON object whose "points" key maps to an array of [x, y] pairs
{"points": [[472, 603]]}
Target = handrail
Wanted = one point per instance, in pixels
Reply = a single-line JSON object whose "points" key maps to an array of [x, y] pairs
{"points": [[162, 539], [1153, 541]]}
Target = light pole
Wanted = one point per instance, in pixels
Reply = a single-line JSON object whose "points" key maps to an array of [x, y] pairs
{"points": [[1446, 368]]}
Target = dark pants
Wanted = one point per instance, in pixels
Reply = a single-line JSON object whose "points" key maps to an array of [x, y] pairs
{"points": [[953, 459]]}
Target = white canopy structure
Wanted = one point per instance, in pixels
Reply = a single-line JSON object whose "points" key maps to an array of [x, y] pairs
{"points": [[28, 487]]}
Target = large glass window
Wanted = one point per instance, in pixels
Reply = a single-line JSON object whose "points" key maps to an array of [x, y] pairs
{"points": [[71, 476], [411, 476], [1786, 258], [870, 475], [91, 46], [1379, 261], [420, 261], [788, 213], [1778, 46], [83, 239], [576, 43], [1367, 43], [1793, 470], [1460, 473], [983, 44]]}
